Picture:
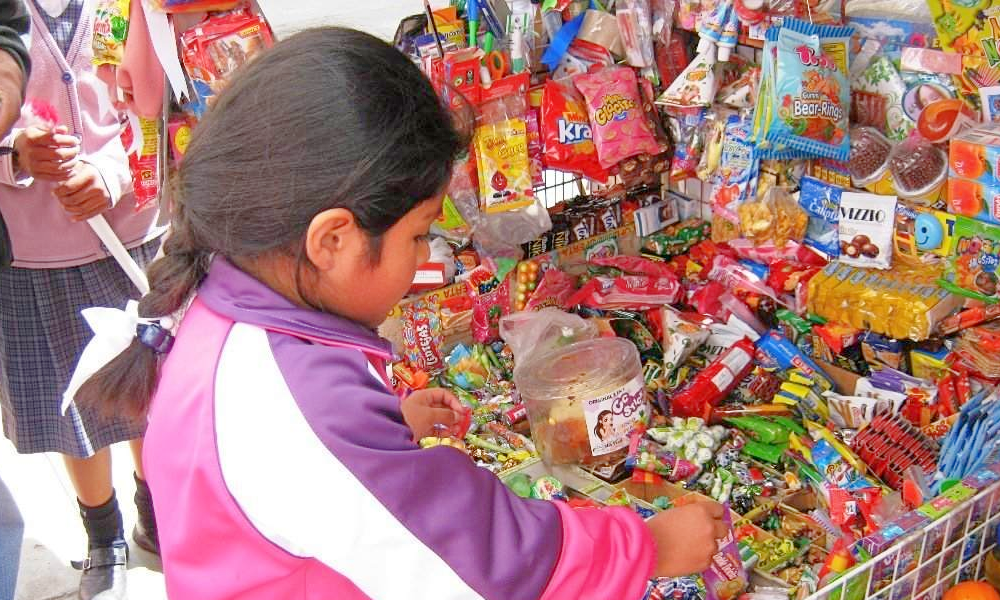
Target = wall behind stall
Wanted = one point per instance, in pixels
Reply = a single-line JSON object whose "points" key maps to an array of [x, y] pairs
{"points": [[379, 17]]}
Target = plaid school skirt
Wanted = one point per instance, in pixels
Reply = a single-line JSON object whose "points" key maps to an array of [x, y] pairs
{"points": [[42, 335]]}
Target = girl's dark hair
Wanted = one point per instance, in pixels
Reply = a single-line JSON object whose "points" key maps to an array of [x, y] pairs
{"points": [[327, 118]]}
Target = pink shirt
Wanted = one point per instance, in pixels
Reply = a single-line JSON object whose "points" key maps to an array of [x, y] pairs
{"points": [[42, 235]]}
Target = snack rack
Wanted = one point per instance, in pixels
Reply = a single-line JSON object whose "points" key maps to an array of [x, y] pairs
{"points": [[926, 562]]}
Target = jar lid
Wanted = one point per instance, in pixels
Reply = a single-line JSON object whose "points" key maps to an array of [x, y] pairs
{"points": [[584, 366]]}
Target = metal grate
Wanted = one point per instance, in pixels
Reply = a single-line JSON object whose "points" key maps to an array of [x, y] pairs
{"points": [[926, 563], [559, 187]]}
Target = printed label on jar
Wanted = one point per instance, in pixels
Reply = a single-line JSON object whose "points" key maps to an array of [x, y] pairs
{"points": [[612, 416]]}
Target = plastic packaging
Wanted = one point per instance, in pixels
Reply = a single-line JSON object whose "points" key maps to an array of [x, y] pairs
{"points": [[821, 201], [501, 141], [869, 159], [616, 117], [422, 335], [583, 400], [111, 21], [695, 86], [635, 25], [566, 131], [919, 170], [866, 229]]}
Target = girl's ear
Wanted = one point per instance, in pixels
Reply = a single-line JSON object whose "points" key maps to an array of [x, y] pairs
{"points": [[332, 235]]}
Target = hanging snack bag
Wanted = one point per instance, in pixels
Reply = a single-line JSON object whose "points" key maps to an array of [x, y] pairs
{"points": [[490, 302], [616, 117], [566, 131], [810, 102], [110, 31], [695, 86], [972, 271], [501, 141], [738, 169], [866, 229], [422, 335], [144, 163], [821, 201]]}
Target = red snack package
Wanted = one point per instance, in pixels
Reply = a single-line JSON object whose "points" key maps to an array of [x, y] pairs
{"points": [[422, 336], [569, 140], [616, 116], [631, 292], [553, 290], [715, 382], [490, 301], [635, 265]]}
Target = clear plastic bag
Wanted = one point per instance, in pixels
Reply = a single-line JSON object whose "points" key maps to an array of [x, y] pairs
{"points": [[537, 333], [635, 26]]}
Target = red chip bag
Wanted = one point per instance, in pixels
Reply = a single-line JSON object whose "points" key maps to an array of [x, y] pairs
{"points": [[566, 132]]}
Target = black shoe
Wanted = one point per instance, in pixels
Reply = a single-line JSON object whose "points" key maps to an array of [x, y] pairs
{"points": [[104, 573], [145, 539], [145, 534]]}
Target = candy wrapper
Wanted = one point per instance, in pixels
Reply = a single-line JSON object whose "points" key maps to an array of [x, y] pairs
{"points": [[695, 86], [631, 292], [422, 335], [777, 218], [740, 167], [111, 20], [807, 110], [554, 289], [647, 455], [821, 201], [686, 127], [866, 229], [616, 117], [715, 382], [501, 141], [691, 587], [566, 131], [726, 578], [490, 302], [972, 271], [877, 99], [682, 336], [635, 265]]}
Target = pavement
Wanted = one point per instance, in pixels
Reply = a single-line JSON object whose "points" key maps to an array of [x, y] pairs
{"points": [[53, 533]]}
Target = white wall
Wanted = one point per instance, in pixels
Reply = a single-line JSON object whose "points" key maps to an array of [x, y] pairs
{"points": [[379, 17]]}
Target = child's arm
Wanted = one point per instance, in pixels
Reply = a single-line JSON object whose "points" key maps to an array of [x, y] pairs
{"points": [[313, 448]]}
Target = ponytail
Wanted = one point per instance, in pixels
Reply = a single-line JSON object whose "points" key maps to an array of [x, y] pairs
{"points": [[125, 385]]}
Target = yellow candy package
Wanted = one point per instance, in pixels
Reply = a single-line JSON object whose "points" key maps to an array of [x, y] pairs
{"points": [[501, 141], [110, 31]]}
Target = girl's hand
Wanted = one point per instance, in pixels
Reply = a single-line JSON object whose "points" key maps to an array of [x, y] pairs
{"points": [[45, 154], [687, 538], [423, 409], [83, 193]]}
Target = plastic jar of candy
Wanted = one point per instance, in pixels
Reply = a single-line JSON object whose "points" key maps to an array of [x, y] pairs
{"points": [[583, 400], [919, 170]]}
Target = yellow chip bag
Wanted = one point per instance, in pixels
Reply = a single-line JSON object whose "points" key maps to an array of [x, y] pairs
{"points": [[111, 20]]}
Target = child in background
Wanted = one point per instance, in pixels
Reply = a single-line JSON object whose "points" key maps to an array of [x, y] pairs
{"points": [[282, 464]]}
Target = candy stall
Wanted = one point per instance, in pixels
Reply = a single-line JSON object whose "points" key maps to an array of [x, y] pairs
{"points": [[739, 251]]}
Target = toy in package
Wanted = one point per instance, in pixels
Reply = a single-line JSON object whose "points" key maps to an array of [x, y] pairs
{"points": [[972, 271], [218, 46], [422, 335], [501, 141], [616, 117], [566, 131], [867, 224], [111, 20], [805, 95]]}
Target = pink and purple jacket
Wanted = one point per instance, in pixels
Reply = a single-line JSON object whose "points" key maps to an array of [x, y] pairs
{"points": [[282, 468]]}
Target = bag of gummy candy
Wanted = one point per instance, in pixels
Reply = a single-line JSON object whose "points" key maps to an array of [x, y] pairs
{"points": [[809, 104], [616, 117], [501, 141]]}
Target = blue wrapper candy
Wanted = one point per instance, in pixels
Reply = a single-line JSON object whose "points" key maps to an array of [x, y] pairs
{"points": [[676, 588], [821, 201], [775, 351]]}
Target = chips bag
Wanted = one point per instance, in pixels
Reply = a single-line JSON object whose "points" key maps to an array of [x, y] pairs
{"points": [[806, 107], [110, 31], [616, 116], [566, 132], [422, 335]]}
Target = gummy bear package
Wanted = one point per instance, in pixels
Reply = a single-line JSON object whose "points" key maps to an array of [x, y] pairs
{"points": [[807, 105], [616, 117], [567, 134]]}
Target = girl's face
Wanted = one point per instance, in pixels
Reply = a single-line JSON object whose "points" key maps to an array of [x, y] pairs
{"points": [[349, 282], [606, 422]]}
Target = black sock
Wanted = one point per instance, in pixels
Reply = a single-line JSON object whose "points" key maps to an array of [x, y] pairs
{"points": [[144, 504], [103, 523]]}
